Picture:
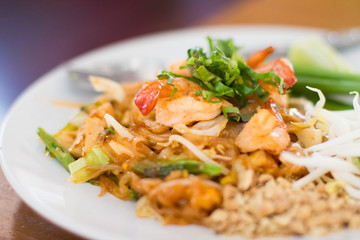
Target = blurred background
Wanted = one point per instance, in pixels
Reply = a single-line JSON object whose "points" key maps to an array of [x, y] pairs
{"points": [[37, 35]]}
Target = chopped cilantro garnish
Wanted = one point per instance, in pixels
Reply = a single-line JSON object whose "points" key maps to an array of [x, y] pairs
{"points": [[232, 113], [223, 74]]}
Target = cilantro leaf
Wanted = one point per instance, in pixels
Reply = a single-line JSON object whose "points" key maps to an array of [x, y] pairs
{"points": [[223, 74]]}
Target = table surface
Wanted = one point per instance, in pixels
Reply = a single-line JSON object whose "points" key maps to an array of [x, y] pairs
{"points": [[38, 35]]}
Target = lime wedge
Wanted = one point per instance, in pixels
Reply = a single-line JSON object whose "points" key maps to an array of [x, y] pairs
{"points": [[316, 53]]}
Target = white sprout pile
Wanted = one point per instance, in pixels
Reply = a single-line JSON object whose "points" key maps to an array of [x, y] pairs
{"points": [[335, 155]]}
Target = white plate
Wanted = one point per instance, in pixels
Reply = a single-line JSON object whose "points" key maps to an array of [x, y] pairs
{"points": [[41, 182]]}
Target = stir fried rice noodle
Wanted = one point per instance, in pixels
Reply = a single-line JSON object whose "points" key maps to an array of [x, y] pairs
{"points": [[179, 155]]}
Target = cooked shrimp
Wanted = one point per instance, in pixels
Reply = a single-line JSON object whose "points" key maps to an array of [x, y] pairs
{"points": [[148, 95], [176, 68], [264, 131], [186, 200], [184, 107], [256, 58], [185, 110], [282, 67], [280, 99]]}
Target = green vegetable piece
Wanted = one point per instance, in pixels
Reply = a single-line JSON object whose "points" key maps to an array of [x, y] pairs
{"points": [[315, 53], [170, 78], [96, 156], [356, 161], [86, 107], [78, 169], [204, 74], [246, 117], [52, 145], [211, 169], [69, 127], [94, 182], [232, 113], [327, 85], [226, 47], [224, 90], [318, 65], [207, 95], [134, 196], [75, 122], [77, 165], [194, 167], [110, 130]]}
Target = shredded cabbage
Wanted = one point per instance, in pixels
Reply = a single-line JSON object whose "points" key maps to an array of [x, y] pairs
{"points": [[119, 129], [197, 152], [120, 149], [79, 119], [112, 89], [346, 138], [205, 128], [95, 157]]}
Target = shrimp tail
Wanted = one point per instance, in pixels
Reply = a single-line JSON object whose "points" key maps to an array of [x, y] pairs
{"points": [[256, 58]]}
